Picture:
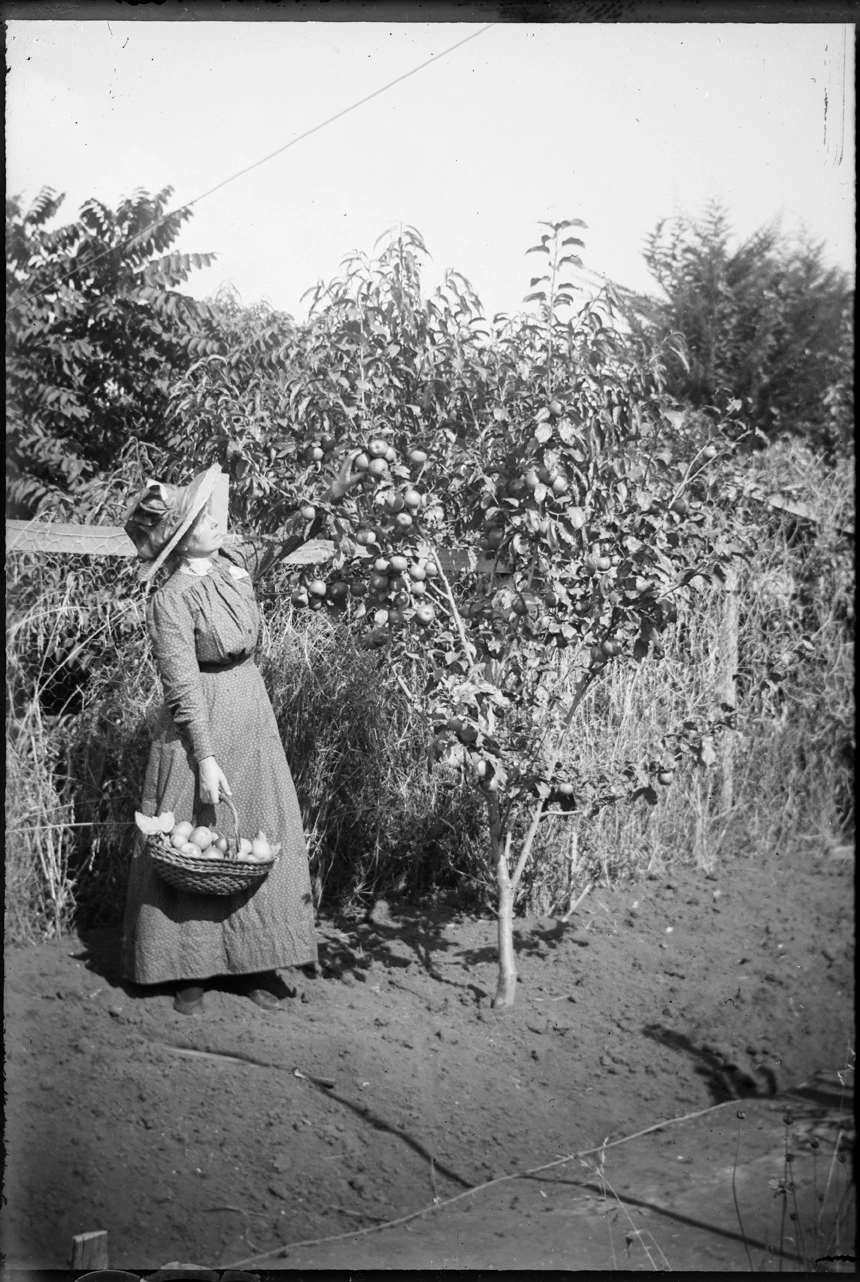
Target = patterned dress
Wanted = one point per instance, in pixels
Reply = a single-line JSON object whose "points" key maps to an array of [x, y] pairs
{"points": [[204, 633]]}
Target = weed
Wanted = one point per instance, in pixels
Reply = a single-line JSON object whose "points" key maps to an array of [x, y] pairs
{"points": [[817, 1227]]}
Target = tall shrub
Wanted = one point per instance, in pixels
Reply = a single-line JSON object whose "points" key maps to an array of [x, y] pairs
{"points": [[763, 320], [96, 331]]}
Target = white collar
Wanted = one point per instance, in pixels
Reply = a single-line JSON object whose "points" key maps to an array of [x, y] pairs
{"points": [[197, 565]]}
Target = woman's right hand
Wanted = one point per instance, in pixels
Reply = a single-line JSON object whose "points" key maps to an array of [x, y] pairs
{"points": [[212, 782]]}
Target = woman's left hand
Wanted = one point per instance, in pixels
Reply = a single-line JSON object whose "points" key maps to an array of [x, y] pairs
{"points": [[212, 782], [345, 479]]}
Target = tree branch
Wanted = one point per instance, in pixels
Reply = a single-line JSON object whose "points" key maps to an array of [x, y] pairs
{"points": [[467, 649]]}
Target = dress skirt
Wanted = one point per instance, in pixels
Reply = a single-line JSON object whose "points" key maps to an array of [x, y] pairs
{"points": [[173, 935]]}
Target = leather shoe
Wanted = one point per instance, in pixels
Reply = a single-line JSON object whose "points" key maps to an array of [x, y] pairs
{"points": [[262, 997], [267, 989], [189, 999]]}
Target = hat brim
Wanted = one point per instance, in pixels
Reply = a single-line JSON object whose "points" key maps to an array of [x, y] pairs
{"points": [[200, 491]]}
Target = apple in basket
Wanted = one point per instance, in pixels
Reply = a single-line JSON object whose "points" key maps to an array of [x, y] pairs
{"points": [[215, 850], [258, 851], [191, 848], [181, 833], [244, 852]]}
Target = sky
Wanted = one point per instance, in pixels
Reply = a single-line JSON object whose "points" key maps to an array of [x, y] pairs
{"points": [[617, 124]]}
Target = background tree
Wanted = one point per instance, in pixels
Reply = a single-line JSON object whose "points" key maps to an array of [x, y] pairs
{"points": [[228, 406], [96, 332], [765, 322]]}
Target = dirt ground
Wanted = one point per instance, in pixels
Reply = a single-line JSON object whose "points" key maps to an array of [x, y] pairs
{"points": [[388, 1086]]}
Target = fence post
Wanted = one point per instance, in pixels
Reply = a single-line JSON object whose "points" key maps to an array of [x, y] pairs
{"points": [[90, 1250]]}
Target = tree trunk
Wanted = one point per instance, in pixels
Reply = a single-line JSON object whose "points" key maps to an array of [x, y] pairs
{"points": [[507, 983], [506, 988]]}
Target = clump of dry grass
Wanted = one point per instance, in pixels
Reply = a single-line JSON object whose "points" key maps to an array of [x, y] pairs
{"points": [[39, 885], [78, 680], [378, 820], [40, 892], [784, 779]]}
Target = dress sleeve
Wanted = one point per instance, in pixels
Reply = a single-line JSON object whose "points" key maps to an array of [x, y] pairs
{"points": [[171, 630]]}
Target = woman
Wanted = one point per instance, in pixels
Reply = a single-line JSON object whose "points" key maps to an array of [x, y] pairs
{"points": [[215, 736]]}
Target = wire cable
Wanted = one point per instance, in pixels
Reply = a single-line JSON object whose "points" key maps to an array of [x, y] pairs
{"points": [[256, 164]]}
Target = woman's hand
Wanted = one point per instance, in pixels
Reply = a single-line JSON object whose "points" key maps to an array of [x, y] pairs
{"points": [[212, 782], [345, 480]]}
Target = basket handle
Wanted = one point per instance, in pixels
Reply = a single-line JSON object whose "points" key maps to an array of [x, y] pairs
{"points": [[232, 808]]}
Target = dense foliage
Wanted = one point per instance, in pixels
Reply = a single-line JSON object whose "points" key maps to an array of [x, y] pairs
{"points": [[764, 321], [97, 331]]}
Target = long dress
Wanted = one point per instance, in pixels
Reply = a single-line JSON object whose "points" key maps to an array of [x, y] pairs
{"points": [[204, 632]]}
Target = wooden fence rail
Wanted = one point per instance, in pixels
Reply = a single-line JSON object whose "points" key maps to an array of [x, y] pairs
{"points": [[112, 540]]}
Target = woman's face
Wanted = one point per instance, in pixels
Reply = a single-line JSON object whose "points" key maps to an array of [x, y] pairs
{"points": [[204, 538]]}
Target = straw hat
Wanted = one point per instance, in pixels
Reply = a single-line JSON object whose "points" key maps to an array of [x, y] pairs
{"points": [[162, 515]]}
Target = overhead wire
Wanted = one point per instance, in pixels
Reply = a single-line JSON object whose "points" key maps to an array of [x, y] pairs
{"points": [[338, 115]]}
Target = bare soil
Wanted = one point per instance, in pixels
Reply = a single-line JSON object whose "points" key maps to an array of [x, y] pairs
{"points": [[387, 1085]]}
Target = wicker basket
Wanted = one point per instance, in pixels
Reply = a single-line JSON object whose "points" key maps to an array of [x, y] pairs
{"points": [[201, 876]]}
